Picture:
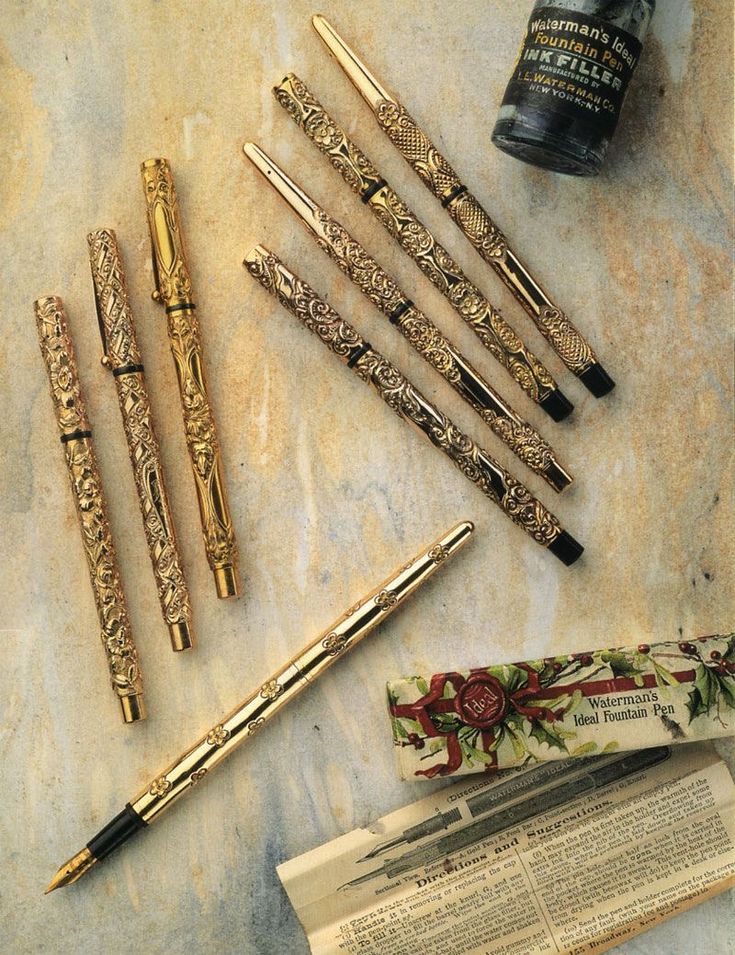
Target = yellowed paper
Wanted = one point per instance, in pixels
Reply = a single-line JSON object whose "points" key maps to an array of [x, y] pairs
{"points": [[487, 868]]}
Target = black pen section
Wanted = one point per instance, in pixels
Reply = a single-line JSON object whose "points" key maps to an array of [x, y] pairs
{"points": [[119, 830]]}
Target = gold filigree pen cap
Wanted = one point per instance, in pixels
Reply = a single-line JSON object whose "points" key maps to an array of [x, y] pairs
{"points": [[174, 291]]}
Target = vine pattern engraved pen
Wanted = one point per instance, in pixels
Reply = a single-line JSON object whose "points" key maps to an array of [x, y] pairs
{"points": [[76, 438], [440, 178], [512, 497], [173, 289], [416, 240], [250, 716], [122, 357], [422, 334]]}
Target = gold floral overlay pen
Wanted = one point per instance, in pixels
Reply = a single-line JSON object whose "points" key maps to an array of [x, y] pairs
{"points": [[76, 439], [418, 242], [523, 440], [492, 245], [122, 357], [174, 291], [512, 497], [248, 718]]}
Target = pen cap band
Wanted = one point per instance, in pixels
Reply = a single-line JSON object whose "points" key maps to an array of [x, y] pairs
{"points": [[172, 275], [58, 353], [111, 297]]}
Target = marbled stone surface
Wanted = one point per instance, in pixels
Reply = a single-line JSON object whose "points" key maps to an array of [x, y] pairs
{"points": [[329, 491]]}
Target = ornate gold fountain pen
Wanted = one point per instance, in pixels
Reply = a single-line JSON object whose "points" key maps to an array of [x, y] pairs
{"points": [[512, 497], [523, 440], [122, 357], [76, 439], [492, 245], [173, 289], [418, 242], [265, 702]]}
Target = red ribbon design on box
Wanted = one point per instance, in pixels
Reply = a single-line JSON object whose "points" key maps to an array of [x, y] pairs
{"points": [[481, 701]]}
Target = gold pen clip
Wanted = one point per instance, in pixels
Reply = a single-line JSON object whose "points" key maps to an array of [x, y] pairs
{"points": [[105, 360]]}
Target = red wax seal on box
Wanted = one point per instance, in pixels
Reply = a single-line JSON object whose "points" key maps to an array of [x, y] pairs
{"points": [[481, 701]]}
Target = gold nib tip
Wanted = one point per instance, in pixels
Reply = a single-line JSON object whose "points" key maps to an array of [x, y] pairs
{"points": [[72, 870]]}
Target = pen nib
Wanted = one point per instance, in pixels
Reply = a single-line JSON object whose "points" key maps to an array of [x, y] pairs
{"points": [[72, 870], [382, 847]]}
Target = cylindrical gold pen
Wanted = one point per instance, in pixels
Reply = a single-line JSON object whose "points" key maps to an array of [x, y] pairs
{"points": [[248, 718], [173, 289], [523, 440], [122, 357], [419, 243], [492, 245], [76, 438], [512, 497]]}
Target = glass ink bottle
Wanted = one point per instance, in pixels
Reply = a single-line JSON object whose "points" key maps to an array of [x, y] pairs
{"points": [[563, 100]]}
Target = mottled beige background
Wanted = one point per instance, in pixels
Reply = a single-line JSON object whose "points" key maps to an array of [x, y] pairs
{"points": [[328, 489]]}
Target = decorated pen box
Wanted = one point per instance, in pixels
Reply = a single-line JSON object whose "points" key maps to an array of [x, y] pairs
{"points": [[576, 705]]}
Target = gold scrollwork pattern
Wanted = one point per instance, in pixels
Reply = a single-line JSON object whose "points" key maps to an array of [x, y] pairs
{"points": [[429, 342], [440, 178], [255, 725], [433, 260], [58, 354], [198, 775], [122, 349], [405, 400], [439, 553], [174, 289]]}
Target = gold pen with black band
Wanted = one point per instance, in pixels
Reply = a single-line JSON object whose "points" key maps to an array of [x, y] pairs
{"points": [[512, 497], [246, 719], [122, 357], [440, 178], [174, 291], [422, 334], [76, 439], [419, 243]]}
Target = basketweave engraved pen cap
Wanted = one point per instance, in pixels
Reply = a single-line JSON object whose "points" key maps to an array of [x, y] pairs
{"points": [[174, 291], [57, 351], [471, 218], [122, 357]]}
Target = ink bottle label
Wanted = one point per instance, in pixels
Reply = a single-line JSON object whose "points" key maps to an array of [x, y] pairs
{"points": [[563, 100], [576, 65]]}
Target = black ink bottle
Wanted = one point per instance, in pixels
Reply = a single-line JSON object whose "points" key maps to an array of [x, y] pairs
{"points": [[563, 100]]}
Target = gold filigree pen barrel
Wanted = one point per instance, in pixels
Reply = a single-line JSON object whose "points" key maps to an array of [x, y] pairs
{"points": [[122, 357], [523, 440], [271, 696], [418, 242], [440, 178], [173, 290], [512, 497], [76, 439]]}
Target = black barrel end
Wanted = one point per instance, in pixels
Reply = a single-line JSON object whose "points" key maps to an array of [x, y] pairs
{"points": [[119, 830], [597, 380], [557, 405], [566, 548]]}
